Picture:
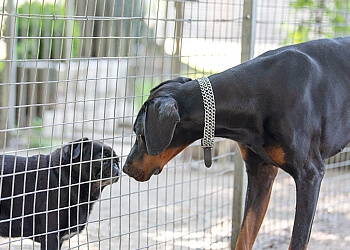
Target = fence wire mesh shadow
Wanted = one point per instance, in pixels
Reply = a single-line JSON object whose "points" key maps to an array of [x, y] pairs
{"points": [[82, 69]]}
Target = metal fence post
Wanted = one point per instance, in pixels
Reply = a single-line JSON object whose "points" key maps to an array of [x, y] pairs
{"points": [[239, 190], [8, 89], [240, 177], [179, 25], [248, 30]]}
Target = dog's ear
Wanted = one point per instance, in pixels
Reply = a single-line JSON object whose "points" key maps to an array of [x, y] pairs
{"points": [[178, 79], [161, 118]]}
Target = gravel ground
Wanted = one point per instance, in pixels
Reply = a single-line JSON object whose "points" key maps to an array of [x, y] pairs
{"points": [[190, 207]]}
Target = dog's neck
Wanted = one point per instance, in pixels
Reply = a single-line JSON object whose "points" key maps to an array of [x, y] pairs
{"points": [[236, 117]]}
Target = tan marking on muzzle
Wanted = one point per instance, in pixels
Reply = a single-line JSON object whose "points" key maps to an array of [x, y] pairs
{"points": [[149, 162]]}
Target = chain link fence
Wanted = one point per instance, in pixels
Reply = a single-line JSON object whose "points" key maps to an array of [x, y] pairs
{"points": [[74, 69]]}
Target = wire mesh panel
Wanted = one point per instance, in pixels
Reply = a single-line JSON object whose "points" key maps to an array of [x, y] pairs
{"points": [[74, 75], [281, 23]]}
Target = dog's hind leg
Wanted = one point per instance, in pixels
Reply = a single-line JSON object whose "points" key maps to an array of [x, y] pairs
{"points": [[260, 179], [308, 181]]}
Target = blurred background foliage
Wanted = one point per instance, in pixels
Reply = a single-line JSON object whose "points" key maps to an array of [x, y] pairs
{"points": [[312, 15]]}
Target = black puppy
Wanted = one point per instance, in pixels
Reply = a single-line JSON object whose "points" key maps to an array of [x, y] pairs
{"points": [[50, 197]]}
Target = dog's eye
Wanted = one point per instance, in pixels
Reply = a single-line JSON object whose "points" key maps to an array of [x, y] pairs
{"points": [[105, 162]]}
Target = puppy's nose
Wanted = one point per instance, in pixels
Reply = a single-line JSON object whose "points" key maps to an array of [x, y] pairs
{"points": [[116, 169]]}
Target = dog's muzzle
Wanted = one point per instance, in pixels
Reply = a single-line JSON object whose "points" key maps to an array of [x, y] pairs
{"points": [[139, 174], [133, 172]]}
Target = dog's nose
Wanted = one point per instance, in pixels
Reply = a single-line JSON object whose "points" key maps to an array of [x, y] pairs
{"points": [[126, 169]]}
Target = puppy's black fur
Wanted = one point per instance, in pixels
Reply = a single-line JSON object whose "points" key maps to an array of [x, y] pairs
{"points": [[50, 197]]}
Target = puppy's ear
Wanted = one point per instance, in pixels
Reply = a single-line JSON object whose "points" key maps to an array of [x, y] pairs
{"points": [[161, 118], [74, 148], [76, 151], [80, 140]]}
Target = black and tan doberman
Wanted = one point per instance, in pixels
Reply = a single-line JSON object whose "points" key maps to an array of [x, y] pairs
{"points": [[288, 108]]}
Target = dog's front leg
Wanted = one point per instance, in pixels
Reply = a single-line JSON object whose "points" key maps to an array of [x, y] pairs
{"points": [[260, 179], [308, 181]]}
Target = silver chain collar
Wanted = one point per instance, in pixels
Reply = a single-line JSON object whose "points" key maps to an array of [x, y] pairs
{"points": [[209, 118]]}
